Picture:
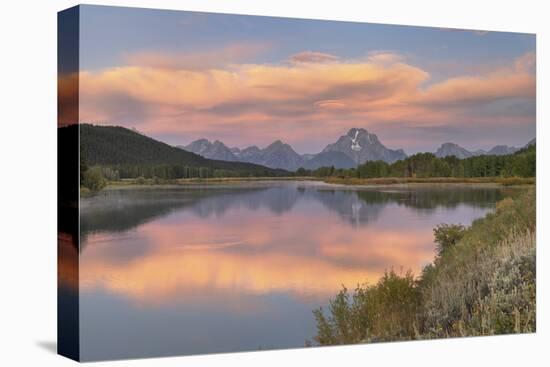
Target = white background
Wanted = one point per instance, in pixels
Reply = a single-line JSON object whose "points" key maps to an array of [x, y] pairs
{"points": [[28, 181]]}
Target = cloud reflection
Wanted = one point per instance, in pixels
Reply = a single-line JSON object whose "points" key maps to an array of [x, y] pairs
{"points": [[319, 242]]}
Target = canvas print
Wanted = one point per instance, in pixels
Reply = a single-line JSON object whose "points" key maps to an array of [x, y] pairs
{"points": [[235, 183]]}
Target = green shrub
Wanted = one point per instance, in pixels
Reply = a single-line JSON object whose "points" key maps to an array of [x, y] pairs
{"points": [[446, 236], [381, 312], [93, 179]]}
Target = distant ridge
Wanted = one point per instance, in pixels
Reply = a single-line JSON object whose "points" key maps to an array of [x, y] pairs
{"points": [[502, 150], [276, 155], [452, 149], [215, 150], [448, 149]]}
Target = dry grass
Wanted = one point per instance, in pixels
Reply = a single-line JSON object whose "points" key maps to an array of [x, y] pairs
{"points": [[494, 294]]}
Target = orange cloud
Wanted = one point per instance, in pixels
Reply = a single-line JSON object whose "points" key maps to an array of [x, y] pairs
{"points": [[482, 89], [240, 89], [331, 103], [384, 57]]}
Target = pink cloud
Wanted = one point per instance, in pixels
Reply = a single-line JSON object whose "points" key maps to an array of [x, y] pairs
{"points": [[508, 82], [172, 94], [197, 60]]}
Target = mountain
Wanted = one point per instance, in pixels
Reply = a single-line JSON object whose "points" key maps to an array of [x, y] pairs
{"points": [[502, 150], [531, 142], [216, 150], [115, 145], [329, 159], [368, 145], [276, 155], [279, 155], [448, 149], [479, 152], [250, 154]]}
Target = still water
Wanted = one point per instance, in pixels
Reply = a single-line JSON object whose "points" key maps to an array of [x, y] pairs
{"points": [[224, 268]]}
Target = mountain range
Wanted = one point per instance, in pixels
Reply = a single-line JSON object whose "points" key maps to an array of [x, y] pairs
{"points": [[349, 150], [115, 145], [281, 155], [448, 149]]}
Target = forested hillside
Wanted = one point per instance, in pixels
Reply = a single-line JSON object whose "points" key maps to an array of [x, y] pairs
{"points": [[113, 145], [122, 153]]}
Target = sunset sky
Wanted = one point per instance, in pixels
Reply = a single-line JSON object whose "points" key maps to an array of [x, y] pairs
{"points": [[179, 76]]}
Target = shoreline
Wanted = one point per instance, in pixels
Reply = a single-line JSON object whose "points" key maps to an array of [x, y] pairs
{"points": [[348, 181], [389, 181], [355, 183]]}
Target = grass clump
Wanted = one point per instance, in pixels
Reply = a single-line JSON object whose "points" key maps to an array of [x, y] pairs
{"points": [[482, 282]]}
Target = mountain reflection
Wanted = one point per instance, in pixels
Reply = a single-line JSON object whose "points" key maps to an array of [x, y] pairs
{"points": [[132, 208]]}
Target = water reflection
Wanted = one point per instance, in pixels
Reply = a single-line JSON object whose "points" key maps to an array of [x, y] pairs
{"points": [[264, 253], [134, 207]]}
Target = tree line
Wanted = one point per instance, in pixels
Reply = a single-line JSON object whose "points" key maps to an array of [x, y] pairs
{"points": [[425, 165], [96, 177], [420, 165]]}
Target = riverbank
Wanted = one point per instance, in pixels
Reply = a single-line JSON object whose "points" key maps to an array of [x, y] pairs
{"points": [[509, 181], [358, 183], [182, 182], [482, 282], [203, 181]]}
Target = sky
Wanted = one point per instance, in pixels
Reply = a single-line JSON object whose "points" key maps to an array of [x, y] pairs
{"points": [[247, 80]]}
